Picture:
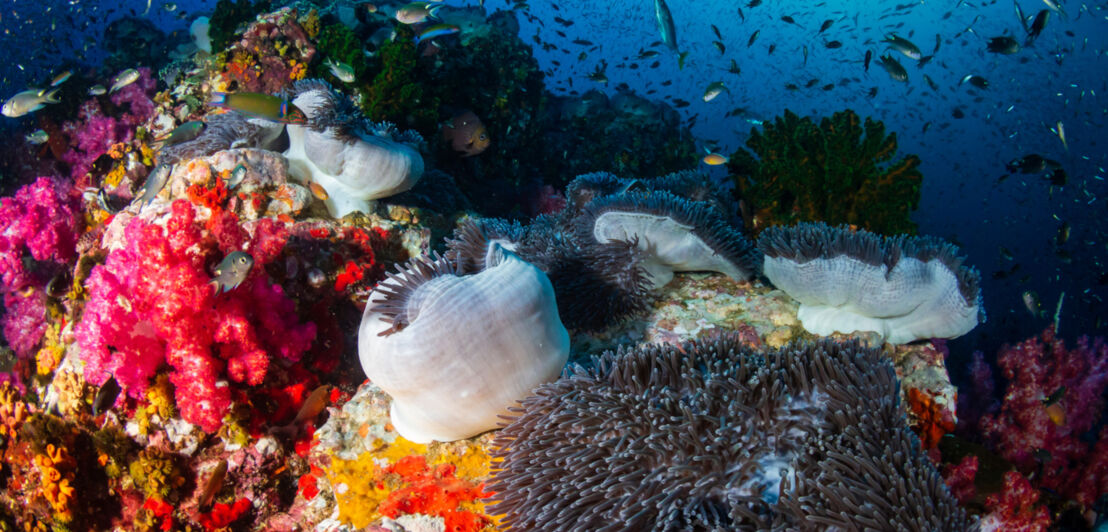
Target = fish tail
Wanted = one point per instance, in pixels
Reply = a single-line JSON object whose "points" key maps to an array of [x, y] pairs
{"points": [[431, 11], [219, 99], [51, 97]]}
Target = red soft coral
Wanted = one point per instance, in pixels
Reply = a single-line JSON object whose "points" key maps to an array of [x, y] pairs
{"points": [[1023, 428], [1015, 508], [152, 302]]}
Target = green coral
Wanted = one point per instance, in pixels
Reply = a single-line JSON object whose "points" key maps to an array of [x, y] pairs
{"points": [[396, 95], [228, 16], [840, 171], [156, 473], [338, 43]]}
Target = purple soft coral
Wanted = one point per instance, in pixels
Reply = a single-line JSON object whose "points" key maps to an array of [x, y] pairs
{"points": [[151, 303]]}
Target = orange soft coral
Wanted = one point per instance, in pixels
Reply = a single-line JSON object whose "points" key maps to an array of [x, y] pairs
{"points": [[56, 470], [433, 491]]}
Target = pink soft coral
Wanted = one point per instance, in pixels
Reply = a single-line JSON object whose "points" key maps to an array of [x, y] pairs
{"points": [[1015, 508], [40, 220], [1023, 428], [151, 302]]}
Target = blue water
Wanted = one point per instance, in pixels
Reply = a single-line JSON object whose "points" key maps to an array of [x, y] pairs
{"points": [[1062, 77]]}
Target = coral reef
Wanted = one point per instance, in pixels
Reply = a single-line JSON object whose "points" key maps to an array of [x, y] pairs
{"points": [[903, 288], [150, 303], [272, 53], [1050, 445], [715, 435], [395, 95], [834, 172], [228, 16]]}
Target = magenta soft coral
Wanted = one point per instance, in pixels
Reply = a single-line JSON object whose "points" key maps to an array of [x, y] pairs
{"points": [[1023, 431], [151, 302], [96, 130], [41, 221]]}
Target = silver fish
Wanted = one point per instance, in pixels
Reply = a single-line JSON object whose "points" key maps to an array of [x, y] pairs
{"points": [[155, 182], [183, 133], [665, 24], [236, 177], [124, 78], [37, 137], [232, 271], [903, 46], [893, 67], [29, 101]]}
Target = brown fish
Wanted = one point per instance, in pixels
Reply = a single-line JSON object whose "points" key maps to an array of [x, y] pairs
{"points": [[212, 486], [466, 134]]}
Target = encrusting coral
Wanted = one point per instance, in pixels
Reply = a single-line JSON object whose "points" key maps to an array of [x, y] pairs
{"points": [[715, 435], [903, 288], [829, 172]]}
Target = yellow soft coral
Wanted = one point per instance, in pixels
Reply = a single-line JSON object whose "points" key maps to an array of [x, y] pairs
{"points": [[299, 70], [156, 473]]}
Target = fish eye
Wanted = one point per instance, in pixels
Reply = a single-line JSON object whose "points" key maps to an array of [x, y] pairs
{"points": [[483, 137], [242, 260]]}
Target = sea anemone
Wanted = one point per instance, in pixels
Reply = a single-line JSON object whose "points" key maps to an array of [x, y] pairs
{"points": [[223, 132], [715, 435], [903, 288], [596, 285], [353, 160], [677, 235], [455, 351]]}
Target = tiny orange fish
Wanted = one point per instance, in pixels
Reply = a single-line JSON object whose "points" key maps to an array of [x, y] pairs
{"points": [[318, 191], [213, 485], [1056, 414], [466, 134]]}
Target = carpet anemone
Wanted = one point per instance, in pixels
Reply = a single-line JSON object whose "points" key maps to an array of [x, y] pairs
{"points": [[455, 351], [677, 235], [715, 435], [903, 288]]}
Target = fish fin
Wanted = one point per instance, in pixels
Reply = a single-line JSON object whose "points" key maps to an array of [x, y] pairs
{"points": [[431, 12], [52, 96], [218, 288]]}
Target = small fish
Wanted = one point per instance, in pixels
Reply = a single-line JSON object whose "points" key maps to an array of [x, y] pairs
{"points": [[183, 133], [1061, 131], [893, 67], [37, 137], [236, 176], [1063, 234], [665, 24], [716, 31], [106, 203], [466, 134], [258, 105], [976, 81], [1031, 303], [123, 79], [59, 284], [931, 83], [753, 37], [155, 182], [868, 58], [903, 46], [342, 71], [232, 271], [826, 24], [1053, 407], [833, 45], [169, 7], [734, 68], [416, 12], [60, 78], [1037, 27], [719, 46], [28, 101], [1003, 45], [212, 486], [318, 191], [1055, 7], [788, 19], [313, 405], [714, 89], [714, 159], [1031, 163], [97, 90], [105, 396], [438, 30]]}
